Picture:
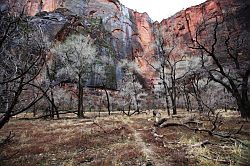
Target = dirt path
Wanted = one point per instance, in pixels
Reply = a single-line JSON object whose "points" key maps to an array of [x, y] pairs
{"points": [[147, 150]]}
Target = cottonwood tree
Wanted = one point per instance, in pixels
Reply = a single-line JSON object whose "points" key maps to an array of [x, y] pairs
{"points": [[174, 77], [229, 63], [131, 91], [195, 80], [109, 100], [159, 65], [51, 81], [203, 90], [78, 56], [23, 54], [166, 64], [105, 72], [46, 87], [185, 89]]}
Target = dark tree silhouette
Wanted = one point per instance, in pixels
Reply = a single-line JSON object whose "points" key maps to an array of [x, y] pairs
{"points": [[22, 58], [226, 60]]}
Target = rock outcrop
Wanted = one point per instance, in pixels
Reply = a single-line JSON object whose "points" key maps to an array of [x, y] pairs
{"points": [[135, 36]]}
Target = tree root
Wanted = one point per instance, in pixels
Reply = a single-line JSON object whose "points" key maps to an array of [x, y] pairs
{"points": [[229, 136], [7, 139], [217, 160]]}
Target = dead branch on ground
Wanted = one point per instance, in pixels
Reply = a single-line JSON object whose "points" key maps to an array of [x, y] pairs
{"points": [[95, 123], [7, 139], [202, 144], [160, 122], [217, 160], [211, 132]]}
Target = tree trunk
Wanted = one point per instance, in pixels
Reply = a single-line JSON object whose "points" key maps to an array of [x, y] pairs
{"points": [[166, 97], [99, 114], [200, 107], [4, 119], [80, 99], [174, 96], [54, 107], [7, 115], [108, 101], [34, 110], [173, 100], [186, 98], [57, 113], [244, 108], [52, 112], [174, 110], [136, 98], [197, 97], [34, 107], [188, 102], [245, 103], [165, 89], [129, 108], [168, 107]]}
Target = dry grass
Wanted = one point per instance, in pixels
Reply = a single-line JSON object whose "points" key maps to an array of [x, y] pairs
{"points": [[110, 141]]}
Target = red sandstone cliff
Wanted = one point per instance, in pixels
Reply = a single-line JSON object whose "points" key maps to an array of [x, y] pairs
{"points": [[135, 36]]}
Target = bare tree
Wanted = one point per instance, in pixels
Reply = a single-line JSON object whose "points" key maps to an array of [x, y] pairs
{"points": [[107, 78], [46, 87], [159, 66], [23, 54], [166, 65], [78, 55], [186, 90], [172, 64], [131, 90], [51, 77], [196, 89], [226, 60]]}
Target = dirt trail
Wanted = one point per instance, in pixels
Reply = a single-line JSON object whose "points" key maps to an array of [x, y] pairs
{"points": [[147, 150]]}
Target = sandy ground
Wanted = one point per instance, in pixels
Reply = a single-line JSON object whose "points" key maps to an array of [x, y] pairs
{"points": [[122, 140]]}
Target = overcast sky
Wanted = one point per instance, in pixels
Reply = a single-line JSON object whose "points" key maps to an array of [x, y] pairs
{"points": [[159, 9]]}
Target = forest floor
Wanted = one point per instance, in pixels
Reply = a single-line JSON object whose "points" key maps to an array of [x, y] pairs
{"points": [[121, 140]]}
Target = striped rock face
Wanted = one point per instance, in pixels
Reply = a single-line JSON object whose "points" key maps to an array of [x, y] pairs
{"points": [[136, 36]]}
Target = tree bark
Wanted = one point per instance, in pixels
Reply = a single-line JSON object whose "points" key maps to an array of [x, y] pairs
{"points": [[244, 108], [4, 119], [166, 95], [135, 95], [197, 96], [245, 103], [54, 107], [108, 100], [80, 98], [7, 115], [187, 101]]}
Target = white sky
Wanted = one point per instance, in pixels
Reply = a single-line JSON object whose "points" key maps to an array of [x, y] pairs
{"points": [[160, 9]]}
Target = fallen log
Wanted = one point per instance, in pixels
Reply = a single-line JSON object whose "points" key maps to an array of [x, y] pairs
{"points": [[210, 132], [194, 122], [217, 160], [160, 122], [201, 144]]}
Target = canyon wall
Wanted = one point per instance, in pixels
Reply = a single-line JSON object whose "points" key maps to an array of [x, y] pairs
{"points": [[135, 36]]}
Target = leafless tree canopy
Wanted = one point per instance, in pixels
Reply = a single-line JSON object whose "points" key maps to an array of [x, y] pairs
{"points": [[226, 60], [23, 54]]}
